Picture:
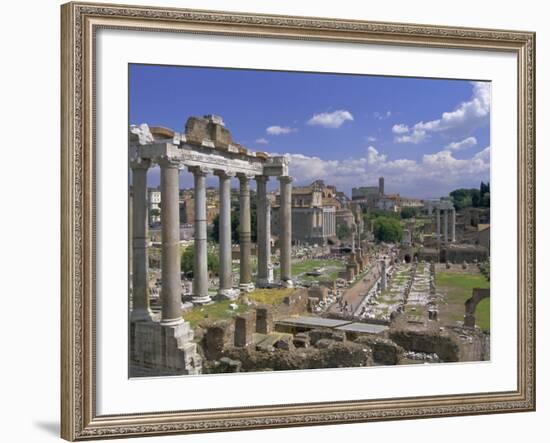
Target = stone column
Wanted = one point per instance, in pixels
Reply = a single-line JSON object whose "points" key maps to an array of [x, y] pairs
{"points": [[263, 232], [445, 225], [383, 277], [438, 225], [140, 265], [245, 282], [453, 225], [285, 234], [200, 255], [226, 278], [170, 260]]}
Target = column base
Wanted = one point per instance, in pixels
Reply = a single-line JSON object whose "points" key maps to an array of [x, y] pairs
{"points": [[264, 283], [158, 349], [171, 321], [287, 284], [141, 315], [246, 287], [228, 294], [201, 299]]}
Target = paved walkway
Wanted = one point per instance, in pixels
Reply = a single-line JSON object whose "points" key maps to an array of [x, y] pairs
{"points": [[354, 295]]}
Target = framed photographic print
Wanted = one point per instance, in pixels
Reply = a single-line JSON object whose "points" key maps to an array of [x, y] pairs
{"points": [[282, 221]]}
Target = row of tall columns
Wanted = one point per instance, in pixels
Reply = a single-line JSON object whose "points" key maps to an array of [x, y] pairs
{"points": [[171, 260], [446, 214]]}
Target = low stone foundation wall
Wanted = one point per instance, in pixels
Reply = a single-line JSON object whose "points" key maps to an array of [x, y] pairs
{"points": [[429, 342], [384, 351], [334, 355]]}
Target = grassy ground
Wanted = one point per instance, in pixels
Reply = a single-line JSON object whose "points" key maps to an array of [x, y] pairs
{"points": [[458, 288], [218, 310], [270, 296], [330, 273]]}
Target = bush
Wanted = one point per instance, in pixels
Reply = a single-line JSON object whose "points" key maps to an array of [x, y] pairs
{"points": [[387, 230], [187, 257]]}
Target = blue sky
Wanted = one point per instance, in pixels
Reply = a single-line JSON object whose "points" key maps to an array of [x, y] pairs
{"points": [[426, 136]]}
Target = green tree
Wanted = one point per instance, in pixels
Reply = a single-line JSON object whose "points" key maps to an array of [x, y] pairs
{"points": [[484, 195], [235, 222], [387, 229], [375, 213], [408, 212], [187, 258], [343, 232], [478, 198]]}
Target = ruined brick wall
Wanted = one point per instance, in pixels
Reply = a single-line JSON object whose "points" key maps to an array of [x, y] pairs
{"points": [[429, 342], [217, 336]]}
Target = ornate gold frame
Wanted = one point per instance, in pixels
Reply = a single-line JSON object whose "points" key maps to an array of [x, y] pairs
{"points": [[79, 420]]}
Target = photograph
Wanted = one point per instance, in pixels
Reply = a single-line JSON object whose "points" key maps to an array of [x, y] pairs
{"points": [[288, 220]]}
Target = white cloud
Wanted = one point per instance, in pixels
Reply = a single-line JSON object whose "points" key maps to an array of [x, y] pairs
{"points": [[262, 141], [331, 119], [463, 120], [371, 138], [400, 128], [433, 175], [416, 136], [373, 156], [463, 144], [280, 130], [382, 115], [484, 154]]}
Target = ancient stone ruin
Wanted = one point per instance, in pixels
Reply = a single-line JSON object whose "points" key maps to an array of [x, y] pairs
{"points": [[205, 148]]}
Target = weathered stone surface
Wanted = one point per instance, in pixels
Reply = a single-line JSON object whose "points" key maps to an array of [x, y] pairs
{"points": [[216, 337], [264, 320], [284, 343], [222, 366], [324, 343], [167, 349], [210, 127], [384, 351], [301, 340], [244, 329], [428, 341], [337, 355], [318, 334], [319, 292]]}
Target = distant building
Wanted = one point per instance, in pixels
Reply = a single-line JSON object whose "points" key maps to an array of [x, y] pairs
{"points": [[153, 205], [187, 208], [313, 213], [368, 196], [364, 192], [390, 203]]}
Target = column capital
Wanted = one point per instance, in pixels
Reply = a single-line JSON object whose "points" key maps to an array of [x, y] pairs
{"points": [[168, 162], [140, 163], [285, 179], [199, 170], [262, 178], [224, 174], [244, 177]]}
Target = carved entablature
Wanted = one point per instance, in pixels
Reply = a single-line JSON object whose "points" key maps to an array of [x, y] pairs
{"points": [[205, 144], [276, 166]]}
